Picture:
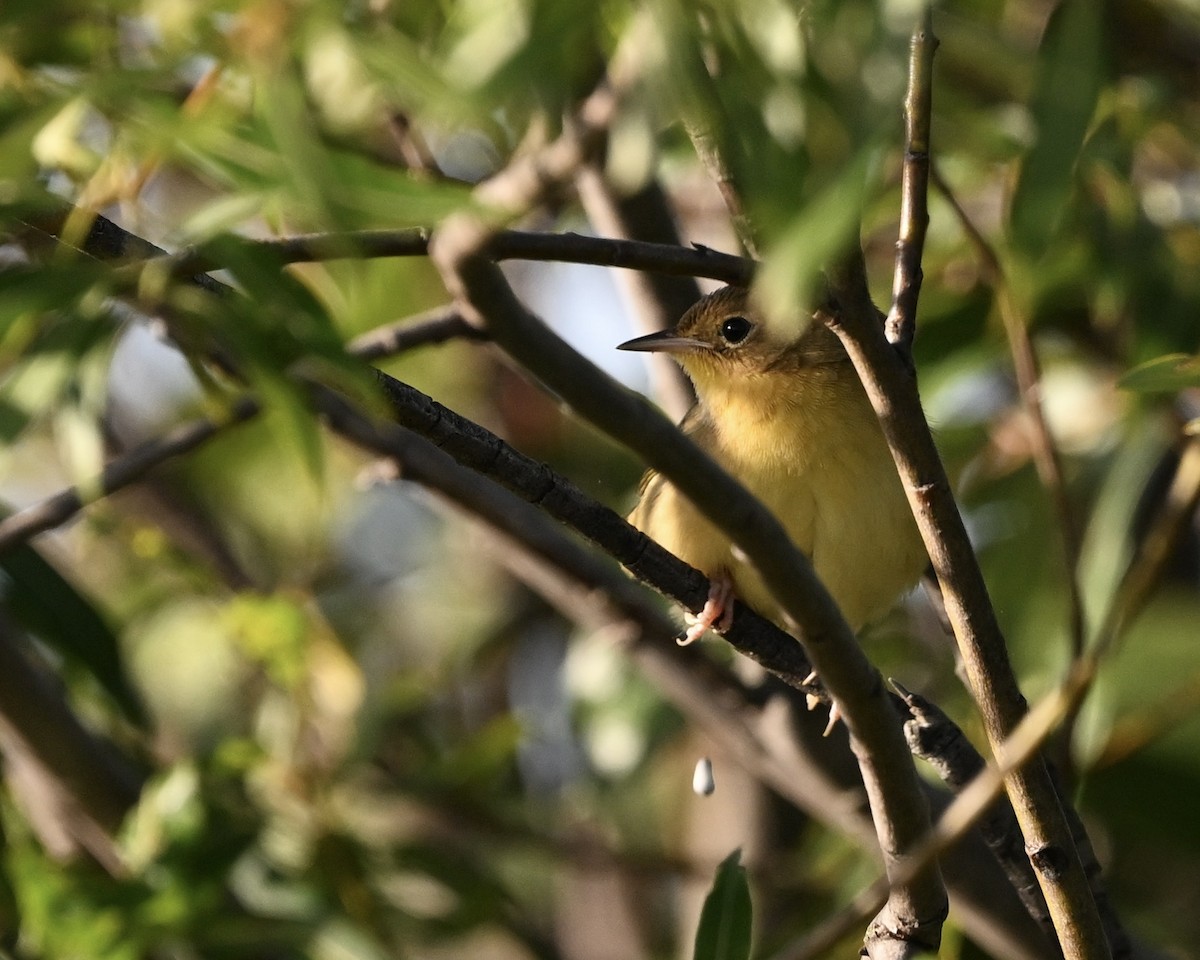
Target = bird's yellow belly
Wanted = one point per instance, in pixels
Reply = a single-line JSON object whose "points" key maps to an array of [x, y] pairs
{"points": [[843, 507]]}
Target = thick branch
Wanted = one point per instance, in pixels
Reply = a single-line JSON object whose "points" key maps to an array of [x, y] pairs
{"points": [[534, 482], [899, 811], [604, 595], [940, 742], [884, 365], [917, 906], [893, 392], [974, 800], [591, 591]]}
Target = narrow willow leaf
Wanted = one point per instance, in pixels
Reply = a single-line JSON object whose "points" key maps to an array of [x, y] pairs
{"points": [[1068, 88], [1165, 374], [44, 603], [724, 931], [814, 238]]}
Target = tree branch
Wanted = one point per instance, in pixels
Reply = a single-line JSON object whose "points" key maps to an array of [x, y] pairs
{"points": [[433, 326], [657, 301], [913, 917], [774, 649], [477, 448], [591, 592], [974, 801], [891, 386], [108, 241], [914, 191], [900, 812]]}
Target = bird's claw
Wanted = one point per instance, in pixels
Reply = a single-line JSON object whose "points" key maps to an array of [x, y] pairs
{"points": [[811, 700], [717, 610], [835, 715]]}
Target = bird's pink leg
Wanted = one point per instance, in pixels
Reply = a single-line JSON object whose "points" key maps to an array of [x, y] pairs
{"points": [[717, 611]]}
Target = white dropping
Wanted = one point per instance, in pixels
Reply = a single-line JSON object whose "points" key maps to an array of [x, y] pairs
{"points": [[703, 783]]}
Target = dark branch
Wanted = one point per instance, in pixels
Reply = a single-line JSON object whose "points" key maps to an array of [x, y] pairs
{"points": [[900, 811], [475, 447]]}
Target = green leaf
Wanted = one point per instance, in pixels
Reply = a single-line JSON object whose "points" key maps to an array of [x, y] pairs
{"points": [[724, 931], [1166, 374], [29, 289], [1068, 88], [45, 604], [816, 236]]}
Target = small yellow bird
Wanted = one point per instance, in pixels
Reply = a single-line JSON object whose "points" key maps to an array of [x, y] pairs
{"points": [[789, 419]]}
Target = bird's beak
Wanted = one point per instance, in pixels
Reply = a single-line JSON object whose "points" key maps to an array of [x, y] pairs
{"points": [[665, 341]]}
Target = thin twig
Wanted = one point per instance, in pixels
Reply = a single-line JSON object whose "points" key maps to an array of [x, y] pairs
{"points": [[108, 241], [705, 143], [656, 301], [423, 329], [914, 208], [431, 327], [713, 132], [504, 245], [24, 524]]}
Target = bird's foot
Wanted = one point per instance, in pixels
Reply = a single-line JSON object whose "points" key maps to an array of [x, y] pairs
{"points": [[717, 611]]}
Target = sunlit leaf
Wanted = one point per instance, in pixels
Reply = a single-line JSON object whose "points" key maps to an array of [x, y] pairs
{"points": [[816, 236], [273, 631]]}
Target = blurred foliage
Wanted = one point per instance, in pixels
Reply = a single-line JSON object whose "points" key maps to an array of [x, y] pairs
{"points": [[365, 737]]}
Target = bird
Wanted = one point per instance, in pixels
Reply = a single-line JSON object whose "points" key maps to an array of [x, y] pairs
{"points": [[785, 414]]}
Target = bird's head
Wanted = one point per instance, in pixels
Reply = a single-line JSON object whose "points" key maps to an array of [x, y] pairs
{"points": [[724, 336]]}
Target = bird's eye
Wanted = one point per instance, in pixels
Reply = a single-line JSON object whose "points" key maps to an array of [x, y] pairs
{"points": [[735, 329]]}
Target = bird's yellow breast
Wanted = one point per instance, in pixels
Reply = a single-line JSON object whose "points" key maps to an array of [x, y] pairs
{"points": [[810, 448]]}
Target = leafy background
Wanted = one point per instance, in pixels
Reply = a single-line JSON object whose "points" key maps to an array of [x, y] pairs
{"points": [[363, 736]]}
